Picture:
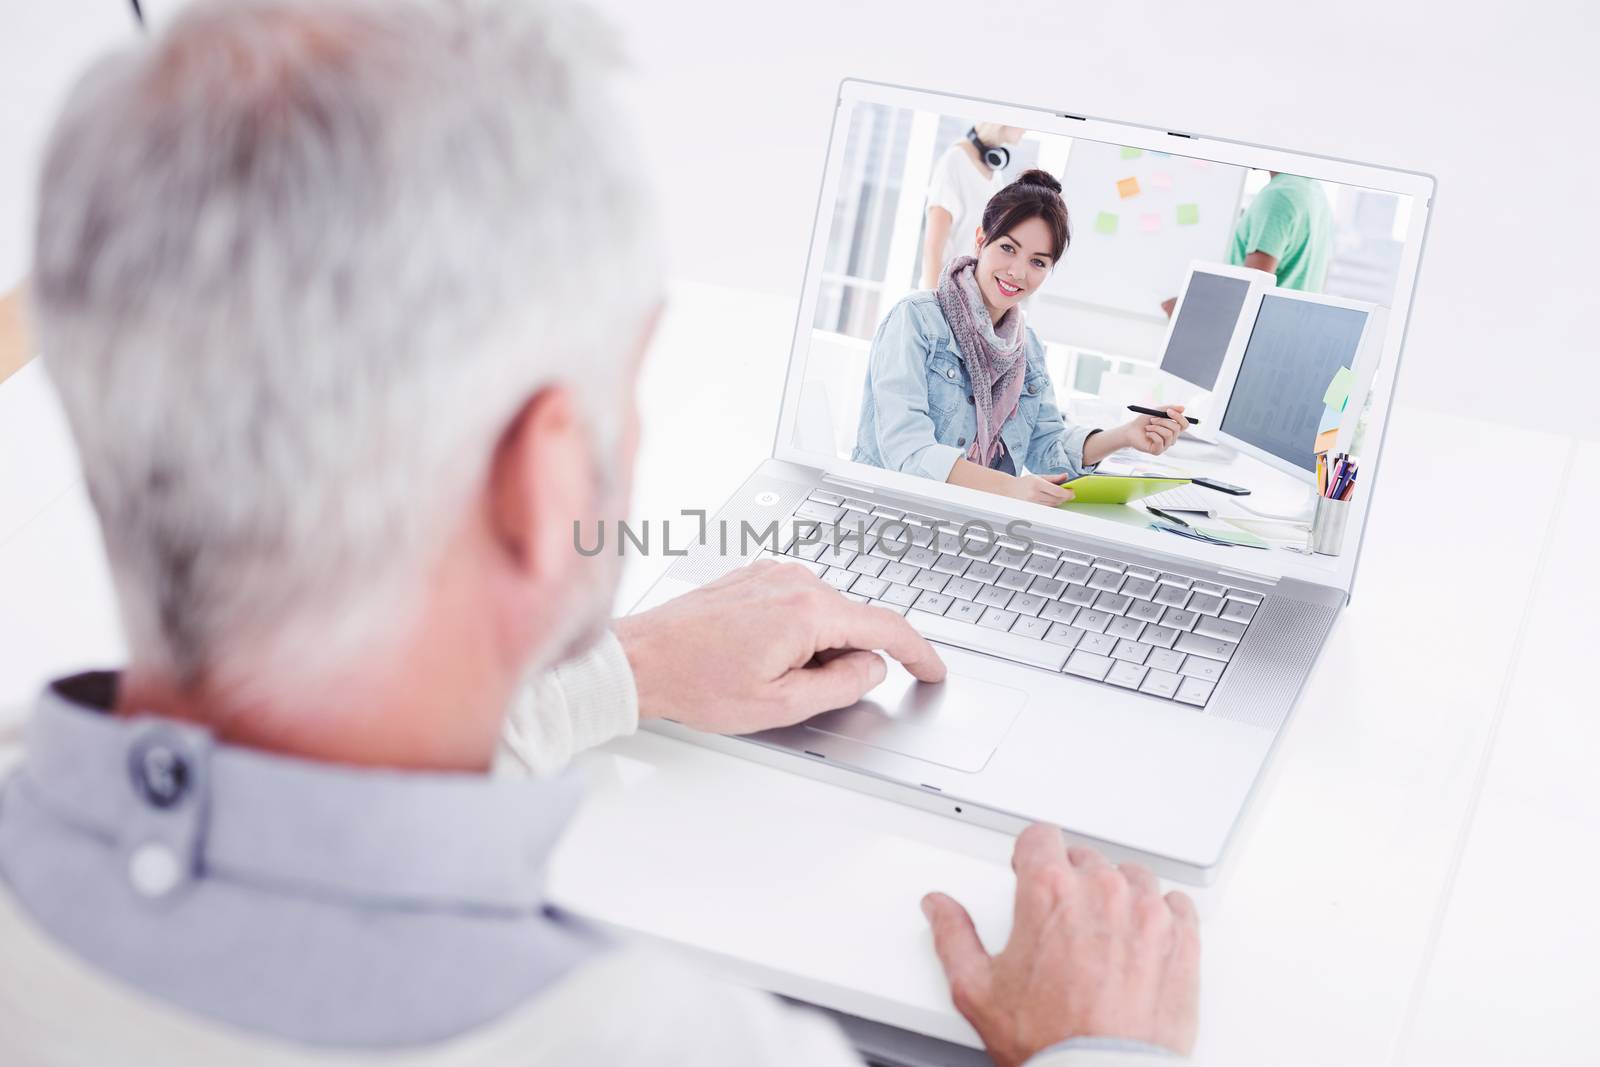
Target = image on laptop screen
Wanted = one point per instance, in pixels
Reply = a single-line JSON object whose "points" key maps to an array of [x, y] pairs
{"points": [[1295, 349], [1203, 328]]}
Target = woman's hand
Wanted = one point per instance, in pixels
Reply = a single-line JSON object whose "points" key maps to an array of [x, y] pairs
{"points": [[1043, 489], [1152, 435]]}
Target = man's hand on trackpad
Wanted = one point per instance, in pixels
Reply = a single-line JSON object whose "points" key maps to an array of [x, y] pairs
{"points": [[768, 645]]}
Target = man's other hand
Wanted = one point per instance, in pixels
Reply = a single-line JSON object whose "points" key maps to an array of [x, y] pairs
{"points": [[1095, 951], [768, 645]]}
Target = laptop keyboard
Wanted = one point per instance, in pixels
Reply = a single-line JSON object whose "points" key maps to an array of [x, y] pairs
{"points": [[1157, 632]]}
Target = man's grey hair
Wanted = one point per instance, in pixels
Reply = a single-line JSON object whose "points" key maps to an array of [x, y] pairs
{"points": [[299, 263]]}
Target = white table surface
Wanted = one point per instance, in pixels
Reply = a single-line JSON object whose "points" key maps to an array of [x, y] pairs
{"points": [[1410, 883]]}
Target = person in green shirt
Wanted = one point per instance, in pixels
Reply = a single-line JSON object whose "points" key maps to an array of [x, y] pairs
{"points": [[1286, 231]]}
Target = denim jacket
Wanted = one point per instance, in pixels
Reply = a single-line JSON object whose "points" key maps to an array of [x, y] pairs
{"points": [[917, 413]]}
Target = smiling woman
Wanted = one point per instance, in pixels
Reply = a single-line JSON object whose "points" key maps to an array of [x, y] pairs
{"points": [[956, 385]]}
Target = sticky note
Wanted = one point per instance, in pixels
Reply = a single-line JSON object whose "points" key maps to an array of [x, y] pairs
{"points": [[1188, 214], [1105, 223], [1132, 153], [1338, 391], [1128, 187], [1150, 223], [1161, 180], [1331, 418]]}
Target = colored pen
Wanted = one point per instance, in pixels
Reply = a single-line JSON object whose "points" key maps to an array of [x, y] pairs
{"points": [[1138, 410]]}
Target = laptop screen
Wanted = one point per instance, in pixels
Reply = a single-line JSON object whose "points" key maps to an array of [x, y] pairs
{"points": [[933, 347]]}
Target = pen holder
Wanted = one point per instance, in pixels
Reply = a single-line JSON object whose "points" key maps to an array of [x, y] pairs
{"points": [[1327, 525]]}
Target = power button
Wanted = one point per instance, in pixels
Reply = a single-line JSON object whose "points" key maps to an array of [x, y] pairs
{"points": [[766, 498]]}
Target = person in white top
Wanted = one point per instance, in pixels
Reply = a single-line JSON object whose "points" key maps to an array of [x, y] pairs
{"points": [[964, 178], [348, 347]]}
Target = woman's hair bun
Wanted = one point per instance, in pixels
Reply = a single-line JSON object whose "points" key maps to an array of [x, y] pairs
{"points": [[1041, 178]]}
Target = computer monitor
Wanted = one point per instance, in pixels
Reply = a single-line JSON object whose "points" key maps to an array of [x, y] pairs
{"points": [[1277, 379], [1208, 313]]}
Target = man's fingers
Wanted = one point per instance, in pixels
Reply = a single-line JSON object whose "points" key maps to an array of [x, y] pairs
{"points": [[839, 681], [867, 627], [1040, 845], [1064, 476], [961, 954], [1085, 858]]}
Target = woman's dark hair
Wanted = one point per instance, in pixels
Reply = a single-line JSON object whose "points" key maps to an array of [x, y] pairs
{"points": [[1034, 195]]}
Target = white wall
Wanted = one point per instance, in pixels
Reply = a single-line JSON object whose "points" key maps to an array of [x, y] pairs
{"points": [[1495, 102]]}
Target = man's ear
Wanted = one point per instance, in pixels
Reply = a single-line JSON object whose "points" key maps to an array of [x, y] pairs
{"points": [[541, 481]]}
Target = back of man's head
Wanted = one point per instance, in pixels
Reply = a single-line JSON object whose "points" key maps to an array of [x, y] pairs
{"points": [[298, 264]]}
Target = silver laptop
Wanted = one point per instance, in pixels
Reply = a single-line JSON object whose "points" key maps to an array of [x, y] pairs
{"points": [[1109, 671]]}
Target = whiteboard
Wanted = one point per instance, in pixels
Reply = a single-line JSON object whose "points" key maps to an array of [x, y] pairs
{"points": [[1180, 210]]}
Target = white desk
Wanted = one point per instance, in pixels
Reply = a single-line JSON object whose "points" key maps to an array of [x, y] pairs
{"points": [[1319, 936]]}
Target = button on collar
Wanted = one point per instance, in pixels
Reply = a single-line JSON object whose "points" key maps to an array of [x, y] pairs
{"points": [[160, 772]]}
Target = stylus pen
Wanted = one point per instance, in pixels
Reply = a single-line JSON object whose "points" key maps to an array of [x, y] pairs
{"points": [[1136, 409], [1166, 515]]}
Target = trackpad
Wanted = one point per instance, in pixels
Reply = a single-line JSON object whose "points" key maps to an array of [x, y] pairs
{"points": [[957, 723]]}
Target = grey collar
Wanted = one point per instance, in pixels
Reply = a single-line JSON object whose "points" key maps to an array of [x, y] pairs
{"points": [[405, 838]]}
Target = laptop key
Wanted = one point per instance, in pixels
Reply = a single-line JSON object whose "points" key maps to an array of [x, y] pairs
{"points": [[821, 497], [1160, 683], [1088, 665], [1049, 588], [965, 611], [1205, 604], [902, 595], [1225, 629], [1095, 621], [932, 581], [1062, 634], [1145, 611], [1080, 595], [962, 588], [1031, 627], [1143, 588], [1238, 611], [888, 513], [1099, 644], [1165, 659], [1132, 651], [1177, 580], [1039, 564], [1113, 603], [950, 564], [839, 578], [1128, 628], [1011, 557], [852, 504], [1026, 604], [873, 565], [813, 509], [1127, 675], [1199, 667], [1194, 691], [1171, 595], [899, 573], [1014, 580], [856, 598], [992, 596], [1076, 557], [997, 618], [1244, 596], [1179, 619], [1110, 565], [920, 557], [983, 572], [1209, 588], [898, 609], [982, 639], [1075, 572], [869, 587], [1143, 572], [1209, 647], [1110, 581], [935, 603], [1160, 636], [1056, 611], [836, 557]]}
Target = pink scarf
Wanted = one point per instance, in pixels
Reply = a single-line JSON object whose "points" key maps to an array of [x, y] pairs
{"points": [[993, 351]]}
